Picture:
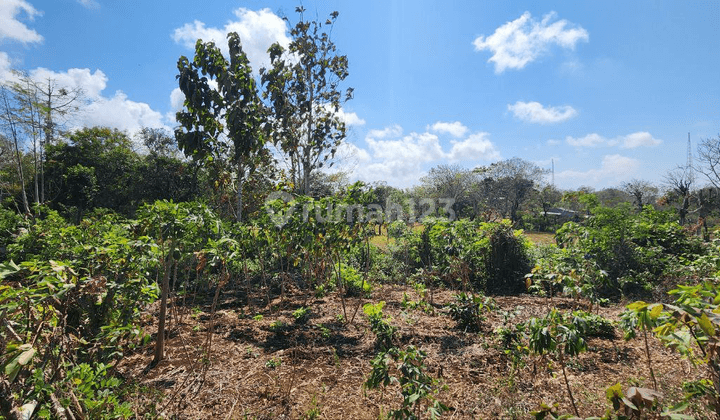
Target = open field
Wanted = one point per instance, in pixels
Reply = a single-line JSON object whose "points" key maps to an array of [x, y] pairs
{"points": [[538, 238], [262, 365]]}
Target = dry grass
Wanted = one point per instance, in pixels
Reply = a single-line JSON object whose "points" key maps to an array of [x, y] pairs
{"points": [[320, 366], [541, 238]]}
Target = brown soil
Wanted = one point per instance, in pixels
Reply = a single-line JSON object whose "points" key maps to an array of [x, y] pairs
{"points": [[321, 365]]}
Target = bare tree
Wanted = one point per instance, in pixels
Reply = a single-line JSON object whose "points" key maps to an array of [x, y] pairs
{"points": [[643, 192], [679, 181], [11, 125], [40, 109], [709, 160]]}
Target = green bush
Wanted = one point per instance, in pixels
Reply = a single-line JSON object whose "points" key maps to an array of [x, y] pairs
{"points": [[616, 250]]}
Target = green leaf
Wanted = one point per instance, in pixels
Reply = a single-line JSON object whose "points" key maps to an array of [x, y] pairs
{"points": [[706, 325], [12, 369], [8, 268], [655, 310], [637, 306]]}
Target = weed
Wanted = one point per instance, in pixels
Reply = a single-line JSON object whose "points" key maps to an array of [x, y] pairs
{"points": [[273, 363], [301, 315]]}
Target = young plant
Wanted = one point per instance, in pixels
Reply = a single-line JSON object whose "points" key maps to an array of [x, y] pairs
{"points": [[694, 324], [644, 316], [467, 310], [418, 389], [380, 325], [555, 334], [301, 315]]}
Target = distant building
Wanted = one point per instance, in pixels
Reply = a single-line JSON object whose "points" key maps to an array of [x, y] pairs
{"points": [[562, 214]]}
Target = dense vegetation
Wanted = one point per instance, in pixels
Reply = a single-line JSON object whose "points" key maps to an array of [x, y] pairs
{"points": [[105, 250]]}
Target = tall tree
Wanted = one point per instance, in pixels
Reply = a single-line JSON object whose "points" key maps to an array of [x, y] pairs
{"points": [[302, 87], [93, 167], [42, 107], [510, 182], [709, 160], [450, 182], [642, 192], [680, 182], [231, 109], [158, 141], [10, 121]]}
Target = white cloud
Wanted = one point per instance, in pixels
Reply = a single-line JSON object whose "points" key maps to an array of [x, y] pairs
{"points": [[641, 138], [121, 113], [11, 28], [517, 43], [116, 111], [476, 147], [630, 141], [5, 67], [90, 4], [412, 148], [257, 31], [590, 140], [392, 131], [535, 112], [613, 170], [92, 84], [349, 118], [553, 142], [455, 129], [177, 99], [401, 160]]}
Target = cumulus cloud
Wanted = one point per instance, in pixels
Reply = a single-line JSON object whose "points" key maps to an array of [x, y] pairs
{"points": [[455, 129], [590, 140], [121, 113], [413, 148], [517, 43], [535, 112], [392, 131], [630, 141], [92, 83], [475, 147], [11, 28], [115, 111], [5, 67], [177, 99], [257, 31], [349, 118], [402, 159], [613, 170], [639, 139]]}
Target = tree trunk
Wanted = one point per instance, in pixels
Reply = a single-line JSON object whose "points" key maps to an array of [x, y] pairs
{"points": [[647, 353], [160, 343], [567, 384], [13, 130], [240, 178], [308, 146]]}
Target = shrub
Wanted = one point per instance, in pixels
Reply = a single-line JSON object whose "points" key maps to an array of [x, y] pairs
{"points": [[379, 325], [467, 310]]}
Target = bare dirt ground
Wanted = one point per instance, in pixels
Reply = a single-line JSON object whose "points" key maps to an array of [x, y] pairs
{"points": [[267, 367]]}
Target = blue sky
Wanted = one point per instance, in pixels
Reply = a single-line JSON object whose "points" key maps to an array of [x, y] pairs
{"points": [[607, 90]]}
